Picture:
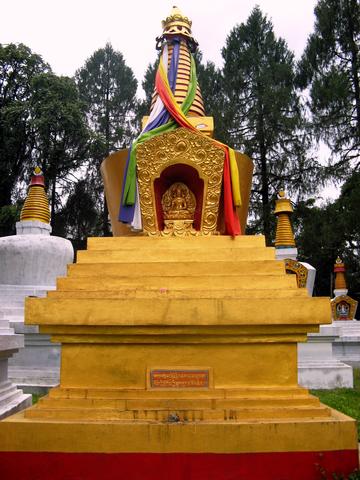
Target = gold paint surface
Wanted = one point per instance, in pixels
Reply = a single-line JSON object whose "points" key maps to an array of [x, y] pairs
{"points": [[301, 272], [118, 321], [339, 303], [112, 170], [337, 432], [36, 206]]}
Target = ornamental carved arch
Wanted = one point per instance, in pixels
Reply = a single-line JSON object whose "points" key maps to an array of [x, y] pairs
{"points": [[189, 157], [301, 272]]}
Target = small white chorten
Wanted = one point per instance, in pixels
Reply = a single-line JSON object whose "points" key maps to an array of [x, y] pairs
{"points": [[30, 262]]}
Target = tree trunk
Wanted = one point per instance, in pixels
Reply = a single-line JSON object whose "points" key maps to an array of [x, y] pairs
{"points": [[263, 172], [265, 195]]}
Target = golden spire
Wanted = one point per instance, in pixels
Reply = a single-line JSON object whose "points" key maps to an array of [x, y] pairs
{"points": [[284, 232], [339, 270], [177, 26], [36, 206]]}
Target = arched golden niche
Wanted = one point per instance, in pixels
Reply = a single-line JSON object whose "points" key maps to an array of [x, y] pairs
{"points": [[192, 156]]}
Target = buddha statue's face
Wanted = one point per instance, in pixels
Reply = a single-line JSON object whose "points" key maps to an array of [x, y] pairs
{"points": [[179, 192]]}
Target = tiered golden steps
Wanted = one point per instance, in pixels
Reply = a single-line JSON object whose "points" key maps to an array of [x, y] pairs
{"points": [[133, 304]]}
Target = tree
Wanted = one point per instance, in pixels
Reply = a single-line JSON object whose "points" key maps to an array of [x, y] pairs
{"points": [[59, 128], [79, 217], [330, 67], [9, 215], [108, 87], [328, 231], [211, 86], [320, 239], [148, 85], [18, 66], [262, 114]]}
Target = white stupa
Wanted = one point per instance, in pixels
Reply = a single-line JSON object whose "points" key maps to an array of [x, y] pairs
{"points": [[317, 365], [30, 262], [343, 307]]}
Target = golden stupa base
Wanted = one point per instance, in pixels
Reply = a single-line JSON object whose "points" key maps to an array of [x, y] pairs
{"points": [[179, 360], [270, 448]]}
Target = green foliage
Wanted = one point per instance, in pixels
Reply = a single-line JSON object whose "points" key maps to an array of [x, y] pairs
{"points": [[9, 215], [211, 82], [263, 115], [108, 88], [148, 84], [36, 397], [79, 218], [59, 127], [325, 232], [330, 67], [18, 67]]}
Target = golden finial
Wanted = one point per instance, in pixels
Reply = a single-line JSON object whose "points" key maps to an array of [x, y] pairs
{"points": [[284, 232], [176, 25], [177, 29], [36, 206]]}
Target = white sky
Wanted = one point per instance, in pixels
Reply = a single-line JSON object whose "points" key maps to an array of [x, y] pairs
{"points": [[67, 32]]}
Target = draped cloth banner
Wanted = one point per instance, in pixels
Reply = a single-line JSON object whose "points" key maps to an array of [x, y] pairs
{"points": [[166, 116]]}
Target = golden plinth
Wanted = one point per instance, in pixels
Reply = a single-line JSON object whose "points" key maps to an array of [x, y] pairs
{"points": [[179, 345]]}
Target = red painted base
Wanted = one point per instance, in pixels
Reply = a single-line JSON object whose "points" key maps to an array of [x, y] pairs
{"points": [[176, 466]]}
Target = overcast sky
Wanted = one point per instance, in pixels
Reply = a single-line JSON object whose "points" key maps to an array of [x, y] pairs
{"points": [[67, 32]]}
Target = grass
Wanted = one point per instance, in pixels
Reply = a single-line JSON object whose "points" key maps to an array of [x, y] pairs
{"points": [[346, 400], [36, 396]]}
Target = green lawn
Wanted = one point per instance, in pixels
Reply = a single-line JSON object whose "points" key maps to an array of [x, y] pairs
{"points": [[346, 400], [36, 396]]}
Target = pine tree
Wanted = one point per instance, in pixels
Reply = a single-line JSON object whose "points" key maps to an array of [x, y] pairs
{"points": [[58, 123], [330, 67], [108, 88], [263, 116], [18, 66]]}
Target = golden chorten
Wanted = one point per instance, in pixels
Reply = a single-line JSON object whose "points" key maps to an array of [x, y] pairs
{"points": [[284, 232], [343, 307], [179, 353], [36, 206], [339, 270]]}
